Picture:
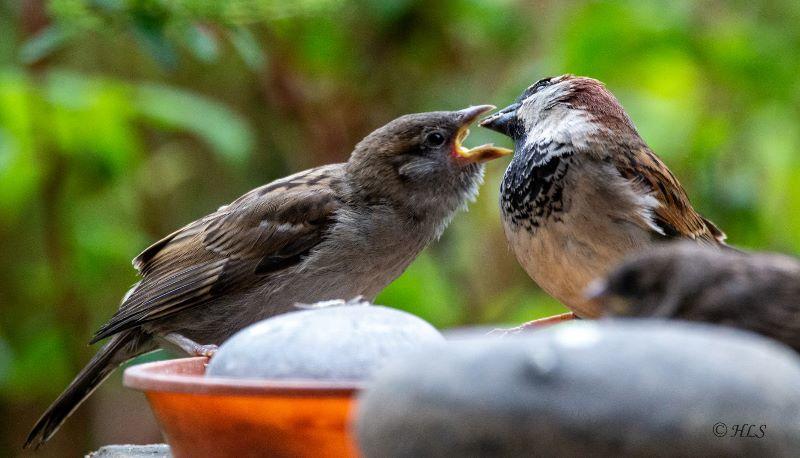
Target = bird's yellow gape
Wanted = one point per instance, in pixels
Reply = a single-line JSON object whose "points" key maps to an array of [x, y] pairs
{"points": [[480, 153]]}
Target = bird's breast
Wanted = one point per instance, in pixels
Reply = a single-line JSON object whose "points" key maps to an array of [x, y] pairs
{"points": [[567, 227], [367, 249], [531, 194], [562, 265]]}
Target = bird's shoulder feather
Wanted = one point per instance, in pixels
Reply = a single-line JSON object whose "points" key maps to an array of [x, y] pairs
{"points": [[674, 214], [258, 222], [268, 229]]}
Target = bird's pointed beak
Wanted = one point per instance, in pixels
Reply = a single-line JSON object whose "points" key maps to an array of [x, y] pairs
{"points": [[481, 153], [502, 121]]}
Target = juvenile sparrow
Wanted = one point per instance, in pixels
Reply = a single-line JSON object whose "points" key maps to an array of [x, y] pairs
{"points": [[332, 232], [583, 189], [755, 291]]}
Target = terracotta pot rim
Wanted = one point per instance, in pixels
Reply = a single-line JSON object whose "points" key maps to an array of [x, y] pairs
{"points": [[185, 375]]}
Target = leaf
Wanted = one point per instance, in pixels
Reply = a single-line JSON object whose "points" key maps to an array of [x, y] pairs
{"points": [[149, 32], [43, 44], [201, 42], [248, 48], [20, 174], [424, 291], [42, 352], [91, 121], [20, 169], [227, 133]]}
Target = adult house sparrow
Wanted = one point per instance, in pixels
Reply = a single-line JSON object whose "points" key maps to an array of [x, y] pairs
{"points": [[332, 232], [755, 291], [583, 189]]}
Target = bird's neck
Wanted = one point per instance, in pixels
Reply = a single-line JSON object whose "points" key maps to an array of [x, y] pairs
{"points": [[427, 208]]}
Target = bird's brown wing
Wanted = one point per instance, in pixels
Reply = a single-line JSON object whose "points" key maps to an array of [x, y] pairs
{"points": [[675, 215], [267, 230]]}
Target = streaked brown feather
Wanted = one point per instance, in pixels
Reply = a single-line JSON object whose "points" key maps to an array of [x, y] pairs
{"points": [[268, 229], [675, 216]]}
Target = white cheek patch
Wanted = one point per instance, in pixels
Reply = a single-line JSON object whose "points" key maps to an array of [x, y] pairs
{"points": [[547, 122], [559, 124]]}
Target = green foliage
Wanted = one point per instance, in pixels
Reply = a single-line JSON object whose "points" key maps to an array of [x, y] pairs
{"points": [[425, 291], [160, 27], [121, 120], [68, 146], [224, 131], [93, 122]]}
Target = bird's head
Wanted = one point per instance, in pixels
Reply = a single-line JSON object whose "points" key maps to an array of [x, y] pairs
{"points": [[655, 282], [562, 114], [419, 160], [627, 290]]}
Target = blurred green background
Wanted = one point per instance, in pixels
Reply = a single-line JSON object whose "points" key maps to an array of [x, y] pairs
{"points": [[121, 120]]}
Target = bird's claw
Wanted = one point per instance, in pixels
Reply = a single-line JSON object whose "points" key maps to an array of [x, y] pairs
{"points": [[205, 350], [532, 325], [505, 332]]}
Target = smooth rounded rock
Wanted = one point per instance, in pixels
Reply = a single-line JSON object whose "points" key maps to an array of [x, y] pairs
{"points": [[132, 451], [614, 388], [333, 343]]}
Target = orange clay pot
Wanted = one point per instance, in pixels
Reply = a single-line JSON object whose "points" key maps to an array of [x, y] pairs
{"points": [[225, 417]]}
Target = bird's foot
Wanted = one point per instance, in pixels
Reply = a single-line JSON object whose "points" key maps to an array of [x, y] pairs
{"points": [[533, 325], [205, 350], [191, 347], [503, 332]]}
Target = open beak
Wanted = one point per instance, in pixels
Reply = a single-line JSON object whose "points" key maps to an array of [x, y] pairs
{"points": [[481, 153], [502, 121]]}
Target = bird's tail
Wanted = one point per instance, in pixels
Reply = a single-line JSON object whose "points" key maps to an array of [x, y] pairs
{"points": [[119, 349]]}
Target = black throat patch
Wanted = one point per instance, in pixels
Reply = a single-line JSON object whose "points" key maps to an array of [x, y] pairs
{"points": [[532, 191]]}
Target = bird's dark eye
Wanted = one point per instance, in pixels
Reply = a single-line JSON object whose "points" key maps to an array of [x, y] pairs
{"points": [[627, 283], [541, 84], [434, 139], [538, 86]]}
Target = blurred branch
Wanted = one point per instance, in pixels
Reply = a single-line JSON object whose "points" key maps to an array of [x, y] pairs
{"points": [[33, 17]]}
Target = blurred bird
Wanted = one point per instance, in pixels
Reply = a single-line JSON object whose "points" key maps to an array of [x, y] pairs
{"points": [[755, 291], [332, 232], [583, 189]]}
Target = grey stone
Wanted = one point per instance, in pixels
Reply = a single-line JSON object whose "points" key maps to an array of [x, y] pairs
{"points": [[632, 388], [347, 342], [132, 451]]}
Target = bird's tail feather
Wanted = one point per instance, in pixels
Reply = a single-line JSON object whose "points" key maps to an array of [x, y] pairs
{"points": [[119, 349]]}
